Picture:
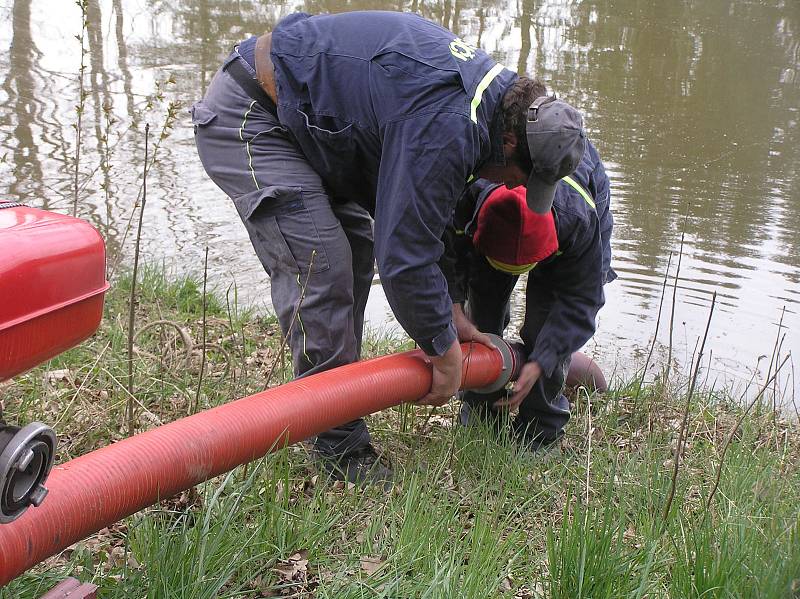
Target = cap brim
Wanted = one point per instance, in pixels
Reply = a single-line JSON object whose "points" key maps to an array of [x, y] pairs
{"points": [[539, 194]]}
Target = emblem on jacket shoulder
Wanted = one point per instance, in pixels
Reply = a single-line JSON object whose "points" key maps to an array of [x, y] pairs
{"points": [[462, 50]]}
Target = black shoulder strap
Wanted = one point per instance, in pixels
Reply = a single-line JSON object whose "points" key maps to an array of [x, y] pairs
{"points": [[251, 86]]}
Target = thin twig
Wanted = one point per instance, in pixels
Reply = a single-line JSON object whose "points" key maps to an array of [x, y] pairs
{"points": [[203, 358], [675, 296], [655, 333], [682, 431], [88, 176], [105, 164], [794, 397], [774, 356], [79, 108], [132, 311], [169, 120], [708, 373], [295, 316], [735, 428], [775, 389]]}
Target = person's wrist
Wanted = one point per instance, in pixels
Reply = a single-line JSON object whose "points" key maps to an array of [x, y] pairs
{"points": [[534, 367], [439, 345], [450, 356]]}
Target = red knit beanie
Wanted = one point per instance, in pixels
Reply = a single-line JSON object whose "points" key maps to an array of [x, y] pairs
{"points": [[510, 234]]}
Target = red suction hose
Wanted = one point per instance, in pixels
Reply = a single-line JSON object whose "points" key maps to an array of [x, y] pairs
{"points": [[104, 486]]}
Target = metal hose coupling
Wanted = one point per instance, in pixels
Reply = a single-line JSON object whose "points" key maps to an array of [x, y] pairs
{"points": [[514, 358], [26, 458]]}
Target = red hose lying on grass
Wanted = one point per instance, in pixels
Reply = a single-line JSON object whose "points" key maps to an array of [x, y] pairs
{"points": [[104, 486]]}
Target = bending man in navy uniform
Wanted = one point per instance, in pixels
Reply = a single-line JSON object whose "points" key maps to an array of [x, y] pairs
{"points": [[331, 121], [566, 253]]}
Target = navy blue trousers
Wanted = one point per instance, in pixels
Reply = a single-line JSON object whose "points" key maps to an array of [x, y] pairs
{"points": [[294, 228], [544, 413]]}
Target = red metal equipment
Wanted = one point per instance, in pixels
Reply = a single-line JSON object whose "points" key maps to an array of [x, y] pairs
{"points": [[52, 283], [101, 487]]}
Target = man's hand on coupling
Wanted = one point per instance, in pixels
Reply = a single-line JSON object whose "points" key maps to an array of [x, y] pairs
{"points": [[467, 331], [446, 376], [528, 376]]}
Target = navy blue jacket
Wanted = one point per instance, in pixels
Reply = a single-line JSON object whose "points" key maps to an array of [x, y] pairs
{"points": [[576, 273], [395, 113]]}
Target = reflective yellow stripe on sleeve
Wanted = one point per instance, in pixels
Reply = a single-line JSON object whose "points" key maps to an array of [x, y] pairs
{"points": [[484, 83], [577, 187]]}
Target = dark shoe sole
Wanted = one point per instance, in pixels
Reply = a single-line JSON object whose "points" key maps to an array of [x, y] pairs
{"points": [[355, 469]]}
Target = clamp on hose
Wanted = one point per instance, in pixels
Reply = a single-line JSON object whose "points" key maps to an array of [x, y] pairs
{"points": [[512, 364], [26, 458]]}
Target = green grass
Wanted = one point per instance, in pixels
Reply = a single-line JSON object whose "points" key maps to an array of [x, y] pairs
{"points": [[470, 516]]}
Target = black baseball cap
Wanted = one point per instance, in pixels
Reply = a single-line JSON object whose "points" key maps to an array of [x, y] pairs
{"points": [[556, 142]]}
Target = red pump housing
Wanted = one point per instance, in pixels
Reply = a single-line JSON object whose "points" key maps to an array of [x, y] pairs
{"points": [[52, 285]]}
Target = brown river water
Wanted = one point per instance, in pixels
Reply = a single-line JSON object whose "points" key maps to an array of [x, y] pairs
{"points": [[693, 104]]}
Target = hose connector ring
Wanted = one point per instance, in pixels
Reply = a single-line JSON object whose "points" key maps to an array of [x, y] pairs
{"points": [[512, 363], [26, 458]]}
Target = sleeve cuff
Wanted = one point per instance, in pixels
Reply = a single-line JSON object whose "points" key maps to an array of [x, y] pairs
{"points": [[439, 344], [546, 359], [458, 297]]}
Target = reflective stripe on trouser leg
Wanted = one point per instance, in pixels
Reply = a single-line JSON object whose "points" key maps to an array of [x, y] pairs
{"points": [[247, 143]]}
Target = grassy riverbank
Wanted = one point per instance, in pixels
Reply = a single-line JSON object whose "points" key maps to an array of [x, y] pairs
{"points": [[469, 516]]}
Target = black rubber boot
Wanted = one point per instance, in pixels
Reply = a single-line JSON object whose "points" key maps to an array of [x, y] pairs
{"points": [[360, 466]]}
